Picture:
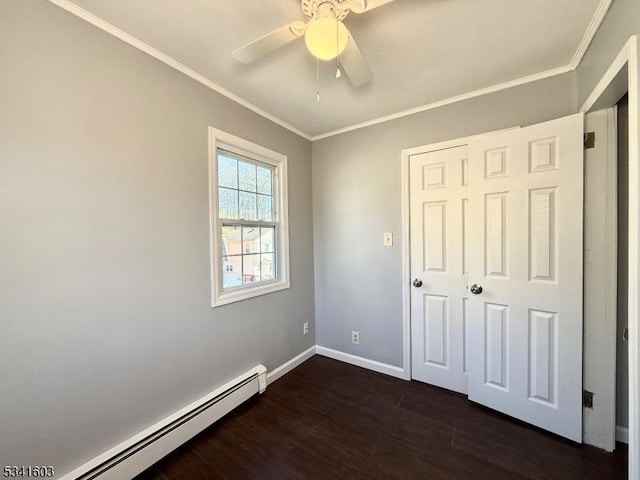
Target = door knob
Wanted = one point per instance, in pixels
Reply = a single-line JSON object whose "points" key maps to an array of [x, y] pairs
{"points": [[417, 283], [476, 289]]}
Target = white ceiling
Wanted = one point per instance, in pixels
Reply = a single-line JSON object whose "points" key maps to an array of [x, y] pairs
{"points": [[420, 51]]}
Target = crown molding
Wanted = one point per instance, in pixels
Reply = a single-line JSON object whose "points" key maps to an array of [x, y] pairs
{"points": [[448, 101], [587, 38], [166, 59], [592, 29]]}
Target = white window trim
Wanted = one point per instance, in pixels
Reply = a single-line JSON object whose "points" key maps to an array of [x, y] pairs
{"points": [[226, 141]]}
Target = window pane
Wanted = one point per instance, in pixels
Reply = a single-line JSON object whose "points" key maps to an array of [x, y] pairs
{"points": [[227, 172], [231, 241], [248, 207], [250, 268], [264, 208], [231, 272], [228, 201], [265, 180], [247, 176], [267, 263], [251, 240], [267, 235]]}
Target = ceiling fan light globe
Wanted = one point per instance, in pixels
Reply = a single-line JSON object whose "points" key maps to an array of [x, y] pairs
{"points": [[326, 38]]}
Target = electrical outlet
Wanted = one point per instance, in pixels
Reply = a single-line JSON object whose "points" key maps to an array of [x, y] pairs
{"points": [[305, 328], [355, 338]]}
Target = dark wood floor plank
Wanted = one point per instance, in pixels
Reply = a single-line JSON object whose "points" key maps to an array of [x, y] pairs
{"points": [[153, 473], [329, 420], [175, 468]]}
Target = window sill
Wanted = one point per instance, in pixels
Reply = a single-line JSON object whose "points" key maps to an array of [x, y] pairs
{"points": [[226, 298]]}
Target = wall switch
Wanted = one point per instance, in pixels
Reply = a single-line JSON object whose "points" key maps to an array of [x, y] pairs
{"points": [[305, 328], [388, 239], [355, 338]]}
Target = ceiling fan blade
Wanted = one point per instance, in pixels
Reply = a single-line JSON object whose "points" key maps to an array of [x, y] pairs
{"points": [[354, 64], [362, 6], [270, 42]]}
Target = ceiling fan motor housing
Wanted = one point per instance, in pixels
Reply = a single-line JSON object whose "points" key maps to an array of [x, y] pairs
{"points": [[338, 9], [325, 36]]}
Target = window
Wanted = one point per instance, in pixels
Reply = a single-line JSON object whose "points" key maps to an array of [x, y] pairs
{"points": [[248, 208]]}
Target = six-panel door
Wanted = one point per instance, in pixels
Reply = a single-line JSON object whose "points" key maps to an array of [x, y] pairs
{"points": [[509, 221], [525, 328], [439, 211]]}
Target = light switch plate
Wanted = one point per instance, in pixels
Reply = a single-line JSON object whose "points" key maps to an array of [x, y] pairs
{"points": [[388, 240]]}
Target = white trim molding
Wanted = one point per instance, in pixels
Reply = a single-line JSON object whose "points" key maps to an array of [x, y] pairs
{"points": [[610, 77], [257, 153], [405, 244], [362, 362], [624, 74], [167, 60], [592, 29], [96, 21], [286, 367], [587, 38], [448, 101], [634, 267]]}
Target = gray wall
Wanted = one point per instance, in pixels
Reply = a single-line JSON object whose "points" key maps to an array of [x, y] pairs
{"points": [[356, 197], [622, 347], [621, 22], [105, 314]]}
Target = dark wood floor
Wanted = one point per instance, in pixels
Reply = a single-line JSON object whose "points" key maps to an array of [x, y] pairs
{"points": [[329, 420]]}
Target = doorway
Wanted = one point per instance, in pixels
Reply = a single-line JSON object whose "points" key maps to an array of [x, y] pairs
{"points": [[621, 77]]}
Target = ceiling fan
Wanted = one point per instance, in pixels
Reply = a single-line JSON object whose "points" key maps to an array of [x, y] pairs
{"points": [[325, 35]]}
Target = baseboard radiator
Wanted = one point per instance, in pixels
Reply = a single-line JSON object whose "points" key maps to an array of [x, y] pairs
{"points": [[139, 452]]}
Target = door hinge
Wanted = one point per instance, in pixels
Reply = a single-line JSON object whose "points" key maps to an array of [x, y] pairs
{"points": [[587, 399], [625, 334], [589, 140]]}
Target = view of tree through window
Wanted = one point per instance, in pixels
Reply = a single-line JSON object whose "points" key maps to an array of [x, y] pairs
{"points": [[246, 210]]}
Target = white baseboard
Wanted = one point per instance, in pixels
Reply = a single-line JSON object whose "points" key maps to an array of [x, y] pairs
{"points": [[362, 362], [285, 368], [157, 448], [622, 434], [142, 450]]}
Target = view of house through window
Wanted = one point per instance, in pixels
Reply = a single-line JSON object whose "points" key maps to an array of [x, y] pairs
{"points": [[246, 211]]}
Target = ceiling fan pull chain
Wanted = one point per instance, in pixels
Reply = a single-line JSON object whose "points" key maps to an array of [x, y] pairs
{"points": [[317, 80]]}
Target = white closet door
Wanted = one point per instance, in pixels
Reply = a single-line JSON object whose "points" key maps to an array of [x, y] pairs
{"points": [[439, 210], [525, 254]]}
